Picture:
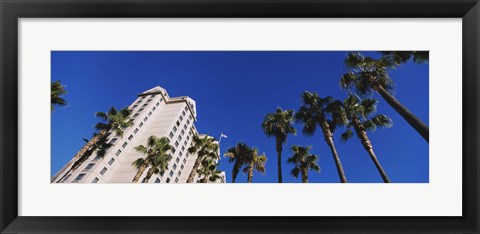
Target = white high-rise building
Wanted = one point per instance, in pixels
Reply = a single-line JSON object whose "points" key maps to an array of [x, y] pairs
{"points": [[153, 113]]}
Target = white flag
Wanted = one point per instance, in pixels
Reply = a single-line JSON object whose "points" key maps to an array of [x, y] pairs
{"points": [[223, 135]]}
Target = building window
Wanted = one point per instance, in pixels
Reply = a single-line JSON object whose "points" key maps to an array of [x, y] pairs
{"points": [[111, 161], [174, 166], [177, 123], [183, 113], [190, 117], [134, 106], [66, 178], [158, 103], [135, 131], [183, 148], [124, 144], [185, 127], [135, 115], [162, 173], [103, 171], [177, 160], [181, 118], [154, 108], [183, 132], [157, 181], [141, 124], [170, 135], [130, 137], [98, 157], [89, 166], [168, 180], [149, 113], [181, 167], [188, 122], [179, 173], [176, 143], [140, 110], [180, 154], [171, 173], [173, 150], [80, 177], [176, 180], [118, 152], [185, 143], [174, 129], [113, 140], [179, 138], [145, 119], [95, 180], [144, 105], [188, 138]]}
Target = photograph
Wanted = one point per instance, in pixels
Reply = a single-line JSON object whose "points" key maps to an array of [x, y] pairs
{"points": [[180, 117]]}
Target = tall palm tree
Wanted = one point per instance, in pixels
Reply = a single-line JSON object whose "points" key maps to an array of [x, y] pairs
{"points": [[355, 114], [367, 75], [156, 156], [279, 125], [204, 147], [404, 56], [208, 171], [238, 155], [255, 162], [304, 161], [56, 95], [313, 113], [112, 121]]}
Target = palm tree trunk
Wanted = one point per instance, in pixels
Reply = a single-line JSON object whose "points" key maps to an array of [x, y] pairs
{"points": [[139, 173], [415, 122], [148, 176], [235, 170], [367, 144], [194, 170], [81, 156], [204, 180], [279, 161], [329, 139], [250, 172], [304, 175]]}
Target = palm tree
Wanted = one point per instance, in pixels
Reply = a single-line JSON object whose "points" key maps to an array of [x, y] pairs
{"points": [[279, 125], [367, 75], [238, 155], [204, 147], [56, 95], [354, 113], [304, 161], [156, 156], [208, 171], [404, 56], [313, 113], [112, 121], [254, 162]]}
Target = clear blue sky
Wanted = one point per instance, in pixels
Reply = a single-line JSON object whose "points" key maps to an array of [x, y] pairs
{"points": [[234, 91]]}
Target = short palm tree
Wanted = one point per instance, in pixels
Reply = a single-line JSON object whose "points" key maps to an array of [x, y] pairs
{"points": [[204, 147], [313, 113], [279, 125], [254, 162], [238, 155], [208, 171], [367, 75], [156, 156], [354, 113], [112, 121], [304, 161], [56, 95]]}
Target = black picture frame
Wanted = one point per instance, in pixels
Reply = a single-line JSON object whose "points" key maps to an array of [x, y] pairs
{"points": [[11, 11]]}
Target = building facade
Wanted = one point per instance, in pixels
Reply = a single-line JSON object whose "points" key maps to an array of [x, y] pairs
{"points": [[153, 113]]}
